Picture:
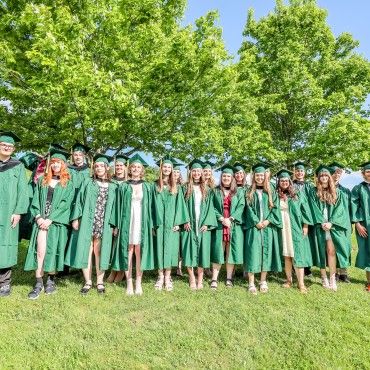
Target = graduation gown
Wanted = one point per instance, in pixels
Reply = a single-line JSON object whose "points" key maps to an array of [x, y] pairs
{"points": [[172, 212], [360, 206], [347, 204], [121, 219], [299, 214], [236, 230], [79, 174], [13, 200], [337, 217], [261, 247], [196, 247], [80, 241], [57, 234]]}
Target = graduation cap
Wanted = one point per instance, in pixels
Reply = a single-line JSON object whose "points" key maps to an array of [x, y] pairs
{"points": [[322, 169], [177, 165], [59, 153], [78, 147], [239, 167], [299, 165], [57, 146], [121, 158], [260, 167], [227, 168], [99, 157], [195, 163], [336, 165], [30, 160], [137, 158], [207, 165], [166, 159], [9, 137], [365, 166], [284, 174]]}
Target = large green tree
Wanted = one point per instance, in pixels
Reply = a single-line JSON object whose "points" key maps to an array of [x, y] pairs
{"points": [[310, 86]]}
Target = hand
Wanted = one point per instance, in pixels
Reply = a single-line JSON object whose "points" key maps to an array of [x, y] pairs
{"points": [[75, 224], [259, 226], [362, 231], [115, 231], [45, 224], [176, 228], [203, 228], [305, 230], [187, 226], [40, 221], [265, 223], [326, 226], [226, 222], [14, 220]]}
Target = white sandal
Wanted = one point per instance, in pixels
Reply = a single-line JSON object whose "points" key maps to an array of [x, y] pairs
{"points": [[130, 288], [325, 282], [264, 287], [159, 284], [168, 285], [252, 289], [333, 284]]}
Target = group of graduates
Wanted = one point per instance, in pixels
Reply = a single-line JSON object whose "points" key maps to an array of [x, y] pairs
{"points": [[83, 216]]}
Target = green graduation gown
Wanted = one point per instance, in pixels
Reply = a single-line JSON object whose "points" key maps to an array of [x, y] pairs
{"points": [[79, 174], [337, 217], [196, 245], [121, 219], [80, 241], [172, 212], [360, 202], [236, 230], [347, 204], [57, 233], [261, 247], [299, 214], [13, 200]]}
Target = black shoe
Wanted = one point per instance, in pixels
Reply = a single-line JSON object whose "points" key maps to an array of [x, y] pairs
{"points": [[307, 272], [5, 290], [344, 279], [50, 287], [100, 288], [85, 289], [35, 293]]}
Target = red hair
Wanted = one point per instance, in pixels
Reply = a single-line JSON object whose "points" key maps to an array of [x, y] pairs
{"points": [[64, 174]]}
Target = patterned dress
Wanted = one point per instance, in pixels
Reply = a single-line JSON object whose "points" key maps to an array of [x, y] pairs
{"points": [[100, 211]]}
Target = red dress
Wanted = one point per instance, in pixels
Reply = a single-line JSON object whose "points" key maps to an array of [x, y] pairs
{"points": [[226, 230]]}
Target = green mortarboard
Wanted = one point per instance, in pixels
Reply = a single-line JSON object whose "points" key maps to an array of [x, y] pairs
{"points": [[57, 146], [299, 165], [9, 137], [283, 174], [59, 153], [195, 163], [336, 165], [239, 167], [227, 168], [99, 157], [207, 165], [177, 165], [78, 147], [136, 158], [365, 166], [260, 167], [30, 160], [322, 169], [166, 159], [121, 158]]}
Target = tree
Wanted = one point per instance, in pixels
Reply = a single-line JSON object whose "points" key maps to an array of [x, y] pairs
{"points": [[310, 86]]}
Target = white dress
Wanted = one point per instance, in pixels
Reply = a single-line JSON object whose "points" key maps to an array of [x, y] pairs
{"points": [[135, 219], [288, 249], [325, 215], [197, 202]]}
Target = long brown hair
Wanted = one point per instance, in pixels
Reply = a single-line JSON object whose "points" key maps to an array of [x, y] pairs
{"points": [[64, 174], [329, 194], [108, 176], [211, 183], [190, 184], [233, 187], [172, 183], [266, 188], [291, 192]]}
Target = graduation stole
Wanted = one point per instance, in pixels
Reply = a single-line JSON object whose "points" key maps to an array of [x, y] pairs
{"points": [[4, 166]]}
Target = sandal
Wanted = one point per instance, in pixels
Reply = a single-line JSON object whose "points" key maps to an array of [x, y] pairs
{"points": [[252, 289], [193, 284], [100, 288], [119, 277], [168, 285], [159, 284], [214, 284], [264, 287], [287, 284], [325, 282], [229, 283], [130, 288], [86, 288], [200, 285]]}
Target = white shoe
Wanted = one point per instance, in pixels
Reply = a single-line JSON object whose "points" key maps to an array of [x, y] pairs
{"points": [[252, 289], [325, 282], [168, 285], [159, 284], [138, 289], [333, 283]]}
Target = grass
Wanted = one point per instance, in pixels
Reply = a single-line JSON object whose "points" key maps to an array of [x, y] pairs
{"points": [[225, 329]]}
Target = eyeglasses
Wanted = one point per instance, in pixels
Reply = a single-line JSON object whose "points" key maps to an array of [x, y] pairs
{"points": [[6, 146]]}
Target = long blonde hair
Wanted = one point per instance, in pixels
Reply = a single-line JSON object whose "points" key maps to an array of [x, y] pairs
{"points": [[172, 183], [266, 188], [329, 194], [190, 185], [142, 175]]}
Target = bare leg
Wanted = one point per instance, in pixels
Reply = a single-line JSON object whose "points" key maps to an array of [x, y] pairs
{"points": [[159, 283], [192, 281], [300, 277], [263, 282], [332, 262], [215, 271], [229, 266], [200, 277], [99, 273], [251, 284], [167, 280], [139, 273], [87, 272], [288, 272], [129, 288], [41, 251]]}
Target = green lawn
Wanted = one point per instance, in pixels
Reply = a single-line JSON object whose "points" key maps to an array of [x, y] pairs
{"points": [[225, 329]]}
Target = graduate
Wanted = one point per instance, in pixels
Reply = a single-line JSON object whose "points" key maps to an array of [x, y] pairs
{"points": [[228, 237], [136, 217], [336, 171], [120, 176], [293, 235], [328, 213], [79, 168], [92, 232], [240, 175], [360, 202], [173, 214], [262, 219], [50, 209], [13, 203], [208, 174], [196, 236]]}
